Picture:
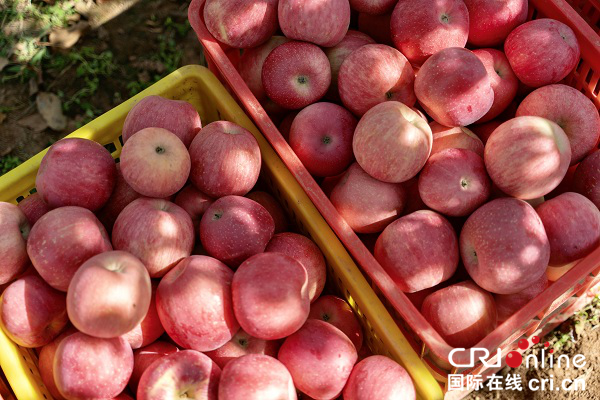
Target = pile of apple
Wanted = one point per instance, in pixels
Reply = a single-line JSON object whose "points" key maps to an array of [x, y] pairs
{"points": [[467, 224], [166, 277]]}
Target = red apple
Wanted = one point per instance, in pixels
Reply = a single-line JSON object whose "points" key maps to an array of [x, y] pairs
{"points": [[296, 74], [32, 314], [379, 377], [194, 303], [242, 344], [144, 357], [307, 253], [176, 116], [89, 367], [373, 74], [586, 179], [338, 313], [376, 26], [270, 295], [286, 124], [321, 136], [490, 21], [462, 313], [418, 251], [527, 157], [457, 137], [256, 377], [503, 80], [62, 240], [485, 130], [273, 207], [14, 231], [155, 163], [572, 223], [251, 63], [338, 53], [454, 182], [320, 358], [508, 304], [392, 142], [322, 22], [373, 7], [504, 246], [571, 110], [156, 231], [150, 329], [239, 24], [225, 160], [76, 172], [186, 373], [194, 202], [109, 294], [46, 363], [122, 195], [413, 198], [367, 205], [33, 206], [453, 87], [542, 51], [421, 28], [235, 228]]}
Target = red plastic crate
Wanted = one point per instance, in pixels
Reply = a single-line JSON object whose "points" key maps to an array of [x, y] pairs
{"points": [[547, 310], [589, 11]]}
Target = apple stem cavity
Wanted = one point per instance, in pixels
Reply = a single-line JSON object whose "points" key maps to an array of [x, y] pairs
{"points": [[159, 150], [389, 95], [217, 215], [326, 139], [445, 18], [464, 183], [302, 80], [325, 317]]}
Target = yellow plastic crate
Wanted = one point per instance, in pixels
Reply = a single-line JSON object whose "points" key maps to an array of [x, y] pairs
{"points": [[198, 86]]}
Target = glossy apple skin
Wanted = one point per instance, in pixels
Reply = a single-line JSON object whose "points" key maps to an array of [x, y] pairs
{"points": [[46, 362], [542, 51], [296, 74], [367, 205], [235, 228], [307, 253], [586, 179], [375, 73], [155, 162], [527, 157], [186, 372], [156, 231], [504, 246], [453, 87], [33, 206], [457, 137], [321, 136], [508, 304], [109, 294], [320, 358], [571, 110], [377, 27], [242, 344], [225, 160], [32, 313], [418, 250], [273, 207], [322, 22], [251, 63], [572, 223], [194, 202], [89, 367], [62, 240], [503, 80], [270, 295], [14, 231], [337, 312], [150, 329], [240, 26], [194, 304], [256, 377], [76, 172], [462, 313], [421, 28], [379, 377], [177, 116], [491, 21], [454, 182], [392, 142], [145, 356], [122, 195]]}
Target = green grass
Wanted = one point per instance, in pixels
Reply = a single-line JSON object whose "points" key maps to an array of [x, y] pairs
{"points": [[8, 163]]}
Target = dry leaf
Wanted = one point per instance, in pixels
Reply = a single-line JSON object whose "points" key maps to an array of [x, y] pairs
{"points": [[35, 122], [49, 105], [2, 117], [67, 37], [3, 62]]}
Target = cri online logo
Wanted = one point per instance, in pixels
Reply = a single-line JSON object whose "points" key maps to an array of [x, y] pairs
{"points": [[514, 359]]}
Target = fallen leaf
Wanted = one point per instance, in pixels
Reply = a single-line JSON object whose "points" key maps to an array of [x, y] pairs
{"points": [[35, 122], [67, 37], [2, 117], [3, 62], [50, 107]]}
